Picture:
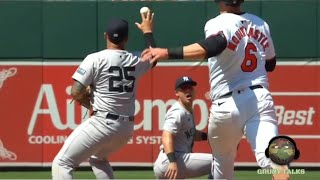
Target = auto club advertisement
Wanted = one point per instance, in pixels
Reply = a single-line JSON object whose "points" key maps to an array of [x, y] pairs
{"points": [[38, 114]]}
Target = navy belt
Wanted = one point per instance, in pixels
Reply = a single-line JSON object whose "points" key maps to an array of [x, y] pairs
{"points": [[230, 93], [115, 116]]}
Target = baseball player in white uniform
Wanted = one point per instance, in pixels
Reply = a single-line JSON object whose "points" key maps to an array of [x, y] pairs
{"points": [[112, 75], [240, 52], [176, 160]]}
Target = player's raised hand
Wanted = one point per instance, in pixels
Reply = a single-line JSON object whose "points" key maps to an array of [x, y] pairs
{"points": [[154, 54], [146, 25], [172, 171]]}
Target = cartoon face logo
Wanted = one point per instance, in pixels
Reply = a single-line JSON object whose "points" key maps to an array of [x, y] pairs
{"points": [[282, 150]]}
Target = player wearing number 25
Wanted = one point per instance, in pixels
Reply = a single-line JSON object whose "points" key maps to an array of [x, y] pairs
{"points": [[240, 52], [112, 75]]}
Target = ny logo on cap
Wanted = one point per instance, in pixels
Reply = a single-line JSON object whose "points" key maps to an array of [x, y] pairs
{"points": [[186, 78], [115, 35]]}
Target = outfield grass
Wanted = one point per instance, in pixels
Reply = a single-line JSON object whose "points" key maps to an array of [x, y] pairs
{"points": [[240, 175]]}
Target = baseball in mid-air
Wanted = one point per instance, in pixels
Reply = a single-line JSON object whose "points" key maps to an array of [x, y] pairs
{"points": [[144, 10]]}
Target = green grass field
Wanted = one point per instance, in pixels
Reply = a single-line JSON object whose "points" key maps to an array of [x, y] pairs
{"points": [[240, 175]]}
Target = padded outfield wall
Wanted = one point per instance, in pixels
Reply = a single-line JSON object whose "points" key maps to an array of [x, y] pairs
{"points": [[43, 42]]}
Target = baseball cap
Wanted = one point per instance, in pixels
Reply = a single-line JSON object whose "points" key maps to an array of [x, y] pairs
{"points": [[184, 80], [117, 30], [231, 2]]}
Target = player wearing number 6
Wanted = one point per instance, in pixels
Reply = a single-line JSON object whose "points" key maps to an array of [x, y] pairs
{"points": [[111, 74], [240, 52]]}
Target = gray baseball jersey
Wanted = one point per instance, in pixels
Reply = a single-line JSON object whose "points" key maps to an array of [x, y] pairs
{"points": [[112, 75], [180, 122]]}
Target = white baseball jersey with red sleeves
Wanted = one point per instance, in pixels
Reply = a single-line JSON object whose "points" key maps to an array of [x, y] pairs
{"points": [[112, 76], [242, 63]]}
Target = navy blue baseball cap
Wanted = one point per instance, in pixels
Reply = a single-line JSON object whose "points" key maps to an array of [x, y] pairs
{"points": [[117, 30], [184, 80]]}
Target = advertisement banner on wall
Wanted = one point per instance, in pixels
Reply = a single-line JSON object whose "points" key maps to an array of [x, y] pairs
{"points": [[37, 112]]}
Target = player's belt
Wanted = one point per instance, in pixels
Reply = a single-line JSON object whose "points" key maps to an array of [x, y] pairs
{"points": [[230, 93], [115, 116]]}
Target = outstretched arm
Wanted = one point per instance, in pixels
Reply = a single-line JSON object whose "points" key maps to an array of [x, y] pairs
{"points": [[212, 46]]}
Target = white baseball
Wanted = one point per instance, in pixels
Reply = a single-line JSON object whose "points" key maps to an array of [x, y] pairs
{"points": [[144, 10]]}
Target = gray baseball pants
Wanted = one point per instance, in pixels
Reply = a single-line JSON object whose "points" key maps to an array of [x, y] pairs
{"points": [[95, 139], [190, 165]]}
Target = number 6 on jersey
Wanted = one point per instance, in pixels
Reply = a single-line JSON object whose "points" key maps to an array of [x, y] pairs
{"points": [[250, 60]]}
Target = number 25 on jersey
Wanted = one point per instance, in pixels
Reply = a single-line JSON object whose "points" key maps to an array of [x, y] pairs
{"points": [[123, 75]]}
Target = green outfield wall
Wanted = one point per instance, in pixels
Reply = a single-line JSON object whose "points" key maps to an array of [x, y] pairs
{"points": [[33, 29]]}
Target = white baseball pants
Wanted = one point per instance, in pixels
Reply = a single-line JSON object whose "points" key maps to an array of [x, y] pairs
{"points": [[247, 112]]}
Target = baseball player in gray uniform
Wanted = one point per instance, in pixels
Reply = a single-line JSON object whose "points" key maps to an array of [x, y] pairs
{"points": [[240, 52], [176, 159], [112, 75]]}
